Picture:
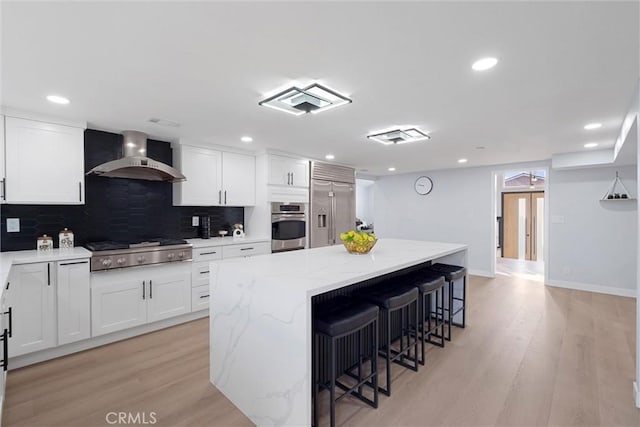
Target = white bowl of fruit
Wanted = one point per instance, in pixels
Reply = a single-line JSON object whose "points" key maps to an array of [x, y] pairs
{"points": [[358, 242]]}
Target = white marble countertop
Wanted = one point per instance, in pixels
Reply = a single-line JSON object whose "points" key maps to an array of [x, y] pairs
{"points": [[225, 241], [7, 259], [260, 315], [323, 269]]}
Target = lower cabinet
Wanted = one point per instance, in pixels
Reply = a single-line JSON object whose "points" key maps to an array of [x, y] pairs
{"points": [[31, 297], [247, 249], [122, 299], [73, 294]]}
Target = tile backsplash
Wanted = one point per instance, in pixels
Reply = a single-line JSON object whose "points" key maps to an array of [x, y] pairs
{"points": [[115, 209]]}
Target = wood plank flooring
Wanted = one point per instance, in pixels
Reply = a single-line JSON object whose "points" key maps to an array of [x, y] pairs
{"points": [[530, 356]]}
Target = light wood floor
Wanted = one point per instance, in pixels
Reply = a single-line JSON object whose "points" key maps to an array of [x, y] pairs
{"points": [[530, 355]]}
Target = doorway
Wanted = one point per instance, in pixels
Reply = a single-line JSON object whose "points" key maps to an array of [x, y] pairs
{"points": [[520, 205]]}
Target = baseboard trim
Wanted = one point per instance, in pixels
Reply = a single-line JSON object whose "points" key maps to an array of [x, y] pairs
{"points": [[482, 273], [621, 292], [64, 350]]}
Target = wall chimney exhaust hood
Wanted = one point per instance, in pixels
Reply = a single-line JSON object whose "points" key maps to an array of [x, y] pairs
{"points": [[135, 164]]}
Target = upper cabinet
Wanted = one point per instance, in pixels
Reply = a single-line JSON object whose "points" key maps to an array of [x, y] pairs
{"points": [[44, 163], [214, 178], [288, 171]]}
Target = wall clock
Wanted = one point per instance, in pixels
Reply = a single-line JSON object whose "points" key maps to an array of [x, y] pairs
{"points": [[423, 185]]}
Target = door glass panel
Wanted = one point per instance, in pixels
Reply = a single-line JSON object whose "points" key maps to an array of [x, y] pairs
{"points": [[522, 227], [539, 228]]}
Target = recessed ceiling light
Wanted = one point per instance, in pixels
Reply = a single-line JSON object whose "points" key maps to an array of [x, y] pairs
{"points": [[484, 64], [57, 99], [314, 98], [592, 126], [462, 160], [246, 139], [329, 157], [399, 136], [590, 145], [480, 147], [391, 169]]}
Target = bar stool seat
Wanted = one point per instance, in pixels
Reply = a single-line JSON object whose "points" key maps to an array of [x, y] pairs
{"points": [[425, 280], [394, 296], [452, 273], [390, 297], [344, 317]]}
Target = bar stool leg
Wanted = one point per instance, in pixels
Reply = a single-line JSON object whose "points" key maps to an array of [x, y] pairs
{"points": [[332, 384], [450, 316], [388, 355], [422, 337], [415, 342], [464, 301], [374, 362]]}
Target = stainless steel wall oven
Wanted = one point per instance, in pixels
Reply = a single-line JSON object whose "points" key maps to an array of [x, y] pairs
{"points": [[288, 226]]}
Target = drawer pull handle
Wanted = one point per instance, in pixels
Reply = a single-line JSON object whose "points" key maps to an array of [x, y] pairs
{"points": [[246, 249], [204, 296], [73, 263], [204, 272], [209, 253]]}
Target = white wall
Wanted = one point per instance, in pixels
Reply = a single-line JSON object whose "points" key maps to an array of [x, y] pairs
{"points": [[592, 243], [460, 209]]}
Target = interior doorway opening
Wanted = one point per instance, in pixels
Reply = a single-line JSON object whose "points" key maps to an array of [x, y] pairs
{"points": [[520, 199]]}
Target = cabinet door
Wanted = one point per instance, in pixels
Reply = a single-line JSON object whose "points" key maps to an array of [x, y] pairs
{"points": [[203, 169], [117, 304], [239, 179], [169, 296], [300, 173], [31, 298], [280, 170], [74, 301], [44, 163]]}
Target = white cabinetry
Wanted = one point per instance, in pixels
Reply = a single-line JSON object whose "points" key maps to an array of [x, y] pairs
{"points": [[169, 296], [74, 301], [44, 163], [122, 299], [203, 169], [239, 179], [214, 178], [117, 304], [288, 171], [248, 249], [31, 297]]}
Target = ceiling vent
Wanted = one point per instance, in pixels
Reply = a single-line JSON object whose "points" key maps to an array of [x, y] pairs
{"points": [[399, 136], [314, 98], [163, 122]]}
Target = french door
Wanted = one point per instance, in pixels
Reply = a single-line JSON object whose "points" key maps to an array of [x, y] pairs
{"points": [[523, 219]]}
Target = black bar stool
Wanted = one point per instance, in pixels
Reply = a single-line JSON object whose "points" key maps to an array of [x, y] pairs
{"points": [[452, 273], [431, 306], [391, 297], [339, 318]]}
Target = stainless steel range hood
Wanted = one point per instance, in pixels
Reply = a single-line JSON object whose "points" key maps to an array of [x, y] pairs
{"points": [[135, 165]]}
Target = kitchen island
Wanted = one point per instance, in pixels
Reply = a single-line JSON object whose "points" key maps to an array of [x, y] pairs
{"points": [[260, 319]]}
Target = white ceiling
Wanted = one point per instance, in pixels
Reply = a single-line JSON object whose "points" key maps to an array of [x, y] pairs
{"points": [[206, 65]]}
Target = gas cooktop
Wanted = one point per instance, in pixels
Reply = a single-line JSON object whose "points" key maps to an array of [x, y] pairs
{"points": [[108, 255]]}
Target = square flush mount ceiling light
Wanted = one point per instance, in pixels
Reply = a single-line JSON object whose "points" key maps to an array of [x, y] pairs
{"points": [[399, 136], [314, 98]]}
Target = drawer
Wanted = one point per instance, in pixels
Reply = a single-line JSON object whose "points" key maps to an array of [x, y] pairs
{"points": [[207, 254], [247, 249], [200, 298], [200, 274]]}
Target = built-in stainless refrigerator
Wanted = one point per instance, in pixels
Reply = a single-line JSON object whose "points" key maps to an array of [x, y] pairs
{"points": [[333, 203]]}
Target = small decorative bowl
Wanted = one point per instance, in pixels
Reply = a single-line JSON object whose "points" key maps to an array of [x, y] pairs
{"points": [[222, 233], [359, 248]]}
